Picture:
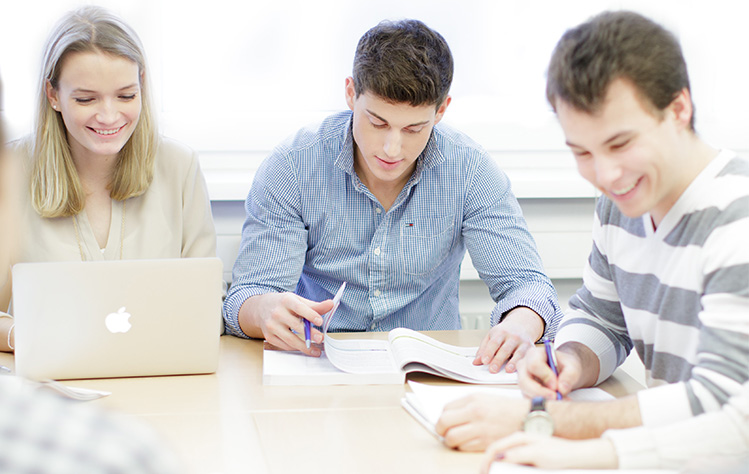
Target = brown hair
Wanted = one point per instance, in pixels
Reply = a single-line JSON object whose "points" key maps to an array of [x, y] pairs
{"points": [[404, 62], [614, 45], [56, 190]]}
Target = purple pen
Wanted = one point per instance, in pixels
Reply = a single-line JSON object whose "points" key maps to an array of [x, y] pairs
{"points": [[551, 360], [307, 332]]}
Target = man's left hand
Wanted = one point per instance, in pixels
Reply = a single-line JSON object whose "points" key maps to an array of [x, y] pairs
{"points": [[508, 341]]}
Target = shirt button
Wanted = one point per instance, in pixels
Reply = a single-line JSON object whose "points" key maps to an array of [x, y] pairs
{"points": [[377, 292], [378, 210], [373, 326], [377, 251]]}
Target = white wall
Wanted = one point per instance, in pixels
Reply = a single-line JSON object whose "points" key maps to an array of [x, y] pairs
{"points": [[233, 78]]}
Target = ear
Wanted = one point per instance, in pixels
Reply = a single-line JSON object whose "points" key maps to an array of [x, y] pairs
{"points": [[441, 110], [681, 108], [350, 92], [52, 97]]}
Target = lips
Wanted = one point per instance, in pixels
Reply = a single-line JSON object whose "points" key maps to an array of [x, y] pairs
{"points": [[388, 165], [621, 192], [106, 132]]}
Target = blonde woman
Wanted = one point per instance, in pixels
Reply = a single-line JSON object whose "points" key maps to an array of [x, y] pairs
{"points": [[103, 184]]}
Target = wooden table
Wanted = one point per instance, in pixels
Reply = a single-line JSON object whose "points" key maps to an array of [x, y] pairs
{"points": [[229, 422]]}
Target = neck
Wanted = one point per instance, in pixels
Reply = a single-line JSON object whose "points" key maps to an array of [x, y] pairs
{"points": [[696, 156], [386, 192], [94, 171]]}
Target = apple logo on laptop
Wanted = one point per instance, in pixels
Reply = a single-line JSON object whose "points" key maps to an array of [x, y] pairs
{"points": [[118, 322]]}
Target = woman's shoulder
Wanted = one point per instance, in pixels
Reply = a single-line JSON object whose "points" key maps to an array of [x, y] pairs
{"points": [[175, 158], [175, 151], [175, 163]]}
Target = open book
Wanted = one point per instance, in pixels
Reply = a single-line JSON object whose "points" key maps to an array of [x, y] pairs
{"points": [[367, 361]]}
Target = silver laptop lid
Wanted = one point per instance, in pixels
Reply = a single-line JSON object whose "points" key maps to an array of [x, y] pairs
{"points": [[117, 318]]}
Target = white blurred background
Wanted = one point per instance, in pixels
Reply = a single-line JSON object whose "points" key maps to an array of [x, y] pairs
{"points": [[239, 76], [233, 78]]}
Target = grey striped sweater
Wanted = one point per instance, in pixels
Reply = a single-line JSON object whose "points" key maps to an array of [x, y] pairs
{"points": [[678, 295]]}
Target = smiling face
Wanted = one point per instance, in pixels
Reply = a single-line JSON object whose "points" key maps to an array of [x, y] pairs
{"points": [[629, 151], [389, 137], [99, 97]]}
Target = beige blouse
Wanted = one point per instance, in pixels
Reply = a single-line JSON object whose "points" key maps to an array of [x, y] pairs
{"points": [[171, 219]]}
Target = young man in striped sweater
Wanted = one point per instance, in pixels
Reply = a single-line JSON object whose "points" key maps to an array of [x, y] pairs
{"points": [[668, 274]]}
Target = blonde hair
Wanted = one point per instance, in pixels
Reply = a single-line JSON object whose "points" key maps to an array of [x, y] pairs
{"points": [[56, 189]]}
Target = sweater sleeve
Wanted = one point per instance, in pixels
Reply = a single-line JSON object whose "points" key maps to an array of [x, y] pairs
{"points": [[595, 318], [721, 436]]}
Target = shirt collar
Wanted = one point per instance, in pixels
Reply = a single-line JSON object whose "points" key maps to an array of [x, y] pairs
{"points": [[345, 158], [429, 158]]}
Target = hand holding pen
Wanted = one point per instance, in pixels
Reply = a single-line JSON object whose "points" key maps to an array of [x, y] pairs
{"points": [[327, 317]]}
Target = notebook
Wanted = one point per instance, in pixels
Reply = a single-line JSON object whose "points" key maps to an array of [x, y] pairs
{"points": [[118, 318]]}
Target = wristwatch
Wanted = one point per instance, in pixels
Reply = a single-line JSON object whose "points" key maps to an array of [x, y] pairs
{"points": [[538, 420]]}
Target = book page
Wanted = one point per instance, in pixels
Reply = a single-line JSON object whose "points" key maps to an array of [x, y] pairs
{"points": [[295, 368], [362, 356], [414, 351]]}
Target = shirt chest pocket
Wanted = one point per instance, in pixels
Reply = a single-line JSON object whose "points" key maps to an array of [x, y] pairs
{"points": [[425, 243]]}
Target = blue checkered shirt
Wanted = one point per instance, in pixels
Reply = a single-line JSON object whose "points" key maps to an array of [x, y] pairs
{"points": [[312, 224]]}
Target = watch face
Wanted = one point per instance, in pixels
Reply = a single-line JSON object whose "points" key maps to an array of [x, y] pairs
{"points": [[539, 422]]}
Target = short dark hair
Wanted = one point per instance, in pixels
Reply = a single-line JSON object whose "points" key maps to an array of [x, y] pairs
{"points": [[404, 62], [614, 45]]}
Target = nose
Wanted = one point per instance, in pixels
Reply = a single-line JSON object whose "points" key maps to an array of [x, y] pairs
{"points": [[393, 142], [107, 112], [607, 170]]}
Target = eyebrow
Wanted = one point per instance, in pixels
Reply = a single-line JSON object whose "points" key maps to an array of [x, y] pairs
{"points": [[611, 139], [425, 122], [617, 136], [87, 91]]}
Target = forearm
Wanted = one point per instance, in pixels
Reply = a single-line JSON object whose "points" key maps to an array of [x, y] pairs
{"points": [[249, 316], [534, 295], [585, 420], [723, 434], [503, 250]]}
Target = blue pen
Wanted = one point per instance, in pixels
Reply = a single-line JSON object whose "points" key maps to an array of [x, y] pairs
{"points": [[552, 361], [307, 332]]}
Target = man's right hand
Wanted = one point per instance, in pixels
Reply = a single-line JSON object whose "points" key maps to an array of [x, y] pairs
{"points": [[536, 378], [274, 316]]}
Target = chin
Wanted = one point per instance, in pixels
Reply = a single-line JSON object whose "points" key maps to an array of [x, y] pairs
{"points": [[107, 152], [633, 212]]}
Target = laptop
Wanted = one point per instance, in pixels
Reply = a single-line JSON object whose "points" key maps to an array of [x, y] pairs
{"points": [[117, 318]]}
